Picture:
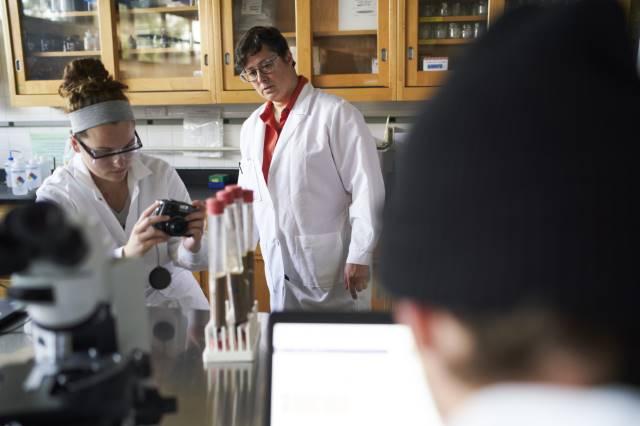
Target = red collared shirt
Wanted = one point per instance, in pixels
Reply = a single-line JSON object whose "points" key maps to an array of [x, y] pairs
{"points": [[273, 128]]}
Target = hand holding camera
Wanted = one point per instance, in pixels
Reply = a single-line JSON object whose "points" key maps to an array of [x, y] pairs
{"points": [[144, 234], [185, 220]]}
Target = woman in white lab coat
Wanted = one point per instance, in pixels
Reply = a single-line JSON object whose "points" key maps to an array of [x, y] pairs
{"points": [[109, 179]]}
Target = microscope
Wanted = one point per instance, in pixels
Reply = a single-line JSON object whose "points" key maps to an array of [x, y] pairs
{"points": [[89, 326]]}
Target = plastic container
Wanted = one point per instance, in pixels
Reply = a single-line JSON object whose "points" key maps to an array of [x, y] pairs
{"points": [[34, 174], [45, 168], [19, 178], [7, 169]]}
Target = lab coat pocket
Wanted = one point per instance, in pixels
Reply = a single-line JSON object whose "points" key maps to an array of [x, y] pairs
{"points": [[320, 259], [248, 178]]}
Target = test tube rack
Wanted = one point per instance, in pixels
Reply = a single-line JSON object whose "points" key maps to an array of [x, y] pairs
{"points": [[233, 343]]}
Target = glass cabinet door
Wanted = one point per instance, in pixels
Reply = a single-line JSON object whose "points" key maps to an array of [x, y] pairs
{"points": [[161, 44], [350, 43], [437, 33], [48, 35], [239, 16]]}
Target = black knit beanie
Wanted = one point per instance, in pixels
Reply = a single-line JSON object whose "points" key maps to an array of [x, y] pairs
{"points": [[519, 183]]}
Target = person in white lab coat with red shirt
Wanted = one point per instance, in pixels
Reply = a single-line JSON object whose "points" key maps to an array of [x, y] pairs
{"points": [[312, 163]]}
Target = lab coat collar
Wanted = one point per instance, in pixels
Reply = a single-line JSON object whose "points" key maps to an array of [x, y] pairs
{"points": [[298, 113]]}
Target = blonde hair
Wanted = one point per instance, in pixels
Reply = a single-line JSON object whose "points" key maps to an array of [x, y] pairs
{"points": [[87, 82]]}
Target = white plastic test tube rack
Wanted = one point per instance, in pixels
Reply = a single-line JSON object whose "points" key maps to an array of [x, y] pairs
{"points": [[233, 343]]}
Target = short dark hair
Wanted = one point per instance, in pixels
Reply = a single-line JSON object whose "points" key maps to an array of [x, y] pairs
{"points": [[253, 41]]}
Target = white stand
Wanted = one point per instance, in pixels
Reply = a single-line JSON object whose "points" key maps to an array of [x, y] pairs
{"points": [[233, 343]]}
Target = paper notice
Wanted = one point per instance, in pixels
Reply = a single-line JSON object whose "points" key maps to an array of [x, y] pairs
{"points": [[358, 15], [251, 7]]}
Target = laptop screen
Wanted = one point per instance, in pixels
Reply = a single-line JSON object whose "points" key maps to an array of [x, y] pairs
{"points": [[346, 370]]}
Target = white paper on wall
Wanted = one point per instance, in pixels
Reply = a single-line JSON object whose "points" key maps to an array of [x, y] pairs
{"points": [[358, 15]]}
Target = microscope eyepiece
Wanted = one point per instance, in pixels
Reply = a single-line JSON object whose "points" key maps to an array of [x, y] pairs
{"points": [[39, 231]]}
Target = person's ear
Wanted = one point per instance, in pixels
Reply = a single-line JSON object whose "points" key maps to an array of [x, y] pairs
{"points": [[74, 143], [288, 57], [418, 318], [435, 330]]}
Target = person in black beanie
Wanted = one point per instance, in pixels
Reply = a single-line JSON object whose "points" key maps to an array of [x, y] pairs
{"points": [[510, 242]]}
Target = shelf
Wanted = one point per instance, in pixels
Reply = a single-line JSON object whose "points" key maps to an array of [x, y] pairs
{"points": [[148, 10], [180, 150], [345, 33], [291, 34], [445, 41], [65, 54], [144, 50], [472, 18], [74, 14]]}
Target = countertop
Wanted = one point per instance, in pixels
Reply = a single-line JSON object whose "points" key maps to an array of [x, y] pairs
{"points": [[7, 197], [194, 179], [226, 394]]}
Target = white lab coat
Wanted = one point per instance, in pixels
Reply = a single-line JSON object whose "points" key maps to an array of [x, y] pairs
{"points": [[323, 202], [529, 404], [149, 179]]}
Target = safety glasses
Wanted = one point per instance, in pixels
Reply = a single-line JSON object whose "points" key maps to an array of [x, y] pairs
{"points": [[265, 67], [105, 155]]}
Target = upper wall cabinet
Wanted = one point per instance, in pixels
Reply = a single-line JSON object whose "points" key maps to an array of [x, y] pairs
{"points": [[345, 47], [47, 35], [436, 33], [162, 45], [159, 48], [237, 17]]}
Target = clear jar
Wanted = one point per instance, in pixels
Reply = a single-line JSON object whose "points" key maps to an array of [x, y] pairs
{"points": [[467, 31], [444, 9], [441, 31], [454, 30], [477, 30], [425, 31], [456, 9], [482, 7]]}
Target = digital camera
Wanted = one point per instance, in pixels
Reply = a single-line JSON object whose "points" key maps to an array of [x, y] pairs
{"points": [[176, 226]]}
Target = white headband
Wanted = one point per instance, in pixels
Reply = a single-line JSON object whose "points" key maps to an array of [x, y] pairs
{"points": [[101, 113]]}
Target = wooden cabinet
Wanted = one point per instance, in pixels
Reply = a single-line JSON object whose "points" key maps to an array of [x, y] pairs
{"points": [[163, 47], [436, 33], [356, 61], [159, 48], [182, 51]]}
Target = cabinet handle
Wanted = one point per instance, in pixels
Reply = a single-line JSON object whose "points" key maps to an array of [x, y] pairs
{"points": [[410, 53], [17, 64], [227, 58], [206, 59], [383, 54]]}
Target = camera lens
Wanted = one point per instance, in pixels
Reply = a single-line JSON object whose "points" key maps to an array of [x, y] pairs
{"points": [[176, 226]]}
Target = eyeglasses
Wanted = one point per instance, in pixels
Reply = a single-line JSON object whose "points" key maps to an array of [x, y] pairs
{"points": [[98, 154], [265, 67]]}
